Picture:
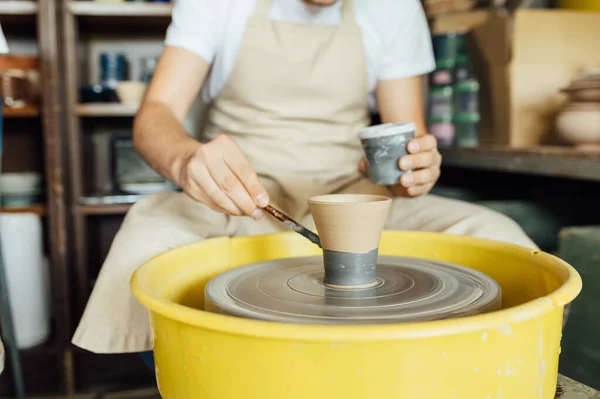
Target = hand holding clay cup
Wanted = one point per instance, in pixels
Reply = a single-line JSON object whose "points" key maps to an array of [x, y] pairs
{"points": [[350, 228], [411, 168], [384, 146]]}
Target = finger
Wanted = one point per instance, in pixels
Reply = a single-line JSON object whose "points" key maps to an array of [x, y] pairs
{"points": [[423, 143], [242, 169], [421, 176], [362, 165], [206, 181], [231, 186], [416, 191], [197, 193], [417, 161]]}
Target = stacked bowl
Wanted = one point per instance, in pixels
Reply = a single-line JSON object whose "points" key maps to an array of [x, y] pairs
{"points": [[20, 189], [578, 123]]}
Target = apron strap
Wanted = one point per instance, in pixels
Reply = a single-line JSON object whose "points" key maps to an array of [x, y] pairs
{"points": [[263, 7], [347, 11]]}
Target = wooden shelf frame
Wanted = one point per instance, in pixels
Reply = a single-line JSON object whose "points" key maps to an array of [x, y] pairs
{"points": [[552, 161], [116, 209], [98, 110], [43, 15], [51, 113], [18, 7], [124, 9], [26, 112], [39, 210]]}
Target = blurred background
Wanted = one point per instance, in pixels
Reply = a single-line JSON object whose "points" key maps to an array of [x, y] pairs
{"points": [[514, 103]]}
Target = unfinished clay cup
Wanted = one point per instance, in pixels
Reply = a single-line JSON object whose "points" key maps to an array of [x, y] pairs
{"points": [[384, 145], [350, 227]]}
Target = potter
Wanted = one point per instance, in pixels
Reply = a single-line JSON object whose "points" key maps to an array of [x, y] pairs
{"points": [[288, 85]]}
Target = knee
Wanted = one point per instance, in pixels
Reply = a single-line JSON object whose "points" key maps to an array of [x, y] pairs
{"points": [[492, 225]]}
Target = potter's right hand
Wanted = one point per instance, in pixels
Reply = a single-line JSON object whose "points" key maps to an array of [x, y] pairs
{"points": [[219, 175]]}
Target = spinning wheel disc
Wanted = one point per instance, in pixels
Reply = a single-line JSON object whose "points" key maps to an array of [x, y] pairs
{"points": [[407, 290]]}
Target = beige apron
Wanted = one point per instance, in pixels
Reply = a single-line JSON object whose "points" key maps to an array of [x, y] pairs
{"points": [[295, 102]]}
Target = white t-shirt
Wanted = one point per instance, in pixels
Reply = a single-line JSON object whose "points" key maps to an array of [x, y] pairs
{"points": [[395, 34], [3, 44]]}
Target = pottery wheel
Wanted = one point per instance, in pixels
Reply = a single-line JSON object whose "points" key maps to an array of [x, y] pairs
{"points": [[407, 290]]}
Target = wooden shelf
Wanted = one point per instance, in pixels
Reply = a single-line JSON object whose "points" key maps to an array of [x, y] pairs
{"points": [[37, 209], [18, 7], [125, 9], [25, 112], [564, 162], [459, 20], [107, 109], [119, 209]]}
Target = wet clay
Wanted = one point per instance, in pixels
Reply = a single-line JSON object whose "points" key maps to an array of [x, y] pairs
{"points": [[350, 227]]}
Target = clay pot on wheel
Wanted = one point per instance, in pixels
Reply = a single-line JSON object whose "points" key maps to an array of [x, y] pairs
{"points": [[579, 124]]}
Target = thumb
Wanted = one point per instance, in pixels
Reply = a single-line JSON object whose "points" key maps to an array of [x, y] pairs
{"points": [[362, 165]]}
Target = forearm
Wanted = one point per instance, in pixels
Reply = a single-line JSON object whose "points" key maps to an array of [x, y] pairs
{"points": [[402, 101], [161, 139]]}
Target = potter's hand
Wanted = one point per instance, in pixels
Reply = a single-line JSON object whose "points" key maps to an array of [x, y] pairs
{"points": [[219, 175], [425, 161]]}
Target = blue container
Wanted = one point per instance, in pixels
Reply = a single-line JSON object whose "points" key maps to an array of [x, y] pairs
{"points": [[113, 68]]}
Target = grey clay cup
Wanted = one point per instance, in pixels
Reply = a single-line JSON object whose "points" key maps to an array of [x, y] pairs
{"points": [[384, 145]]}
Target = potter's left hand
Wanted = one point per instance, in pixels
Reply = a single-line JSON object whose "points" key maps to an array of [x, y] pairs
{"points": [[425, 161]]}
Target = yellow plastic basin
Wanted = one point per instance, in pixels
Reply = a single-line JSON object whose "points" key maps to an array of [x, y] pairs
{"points": [[581, 5], [512, 353]]}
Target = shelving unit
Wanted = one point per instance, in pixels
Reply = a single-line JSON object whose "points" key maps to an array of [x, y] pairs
{"points": [[39, 210], [99, 9], [564, 162], [119, 209], [40, 131], [25, 112], [106, 110], [86, 27], [18, 7]]}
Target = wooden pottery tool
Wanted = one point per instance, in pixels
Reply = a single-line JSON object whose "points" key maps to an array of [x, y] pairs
{"points": [[293, 225]]}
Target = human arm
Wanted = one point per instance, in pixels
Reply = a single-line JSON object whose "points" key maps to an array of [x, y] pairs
{"points": [[406, 57], [401, 100], [215, 173]]}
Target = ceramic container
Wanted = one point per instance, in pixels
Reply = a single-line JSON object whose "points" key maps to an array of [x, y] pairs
{"points": [[462, 70], [131, 92], [467, 130], [443, 130], [20, 182], [384, 145], [509, 353], [20, 81], [349, 226], [441, 101], [585, 88], [583, 94], [113, 68], [443, 74], [579, 124], [466, 97]]}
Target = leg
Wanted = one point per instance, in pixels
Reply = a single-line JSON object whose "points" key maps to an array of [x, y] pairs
{"points": [[113, 321], [436, 214]]}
